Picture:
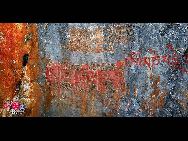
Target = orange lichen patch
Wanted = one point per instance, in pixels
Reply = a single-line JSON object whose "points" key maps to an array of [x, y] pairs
{"points": [[7, 80], [6, 39], [84, 40], [78, 40], [19, 31], [11, 53]]}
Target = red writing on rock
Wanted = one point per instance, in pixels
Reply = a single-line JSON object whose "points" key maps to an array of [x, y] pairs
{"points": [[86, 76], [154, 59]]}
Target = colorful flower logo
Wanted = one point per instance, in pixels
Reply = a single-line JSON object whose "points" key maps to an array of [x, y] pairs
{"points": [[15, 105]]}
